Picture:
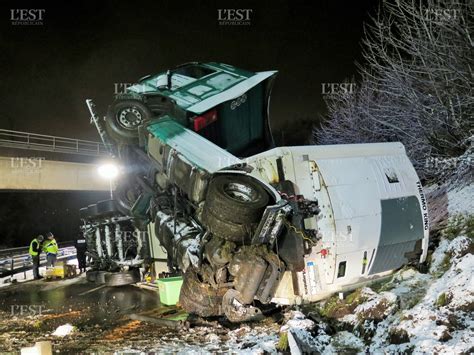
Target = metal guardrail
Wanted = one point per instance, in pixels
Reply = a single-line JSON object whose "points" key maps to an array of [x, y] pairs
{"points": [[15, 260], [42, 142], [10, 252]]}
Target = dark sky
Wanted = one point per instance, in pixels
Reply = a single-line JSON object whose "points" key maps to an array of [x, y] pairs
{"points": [[84, 47], [24, 215]]}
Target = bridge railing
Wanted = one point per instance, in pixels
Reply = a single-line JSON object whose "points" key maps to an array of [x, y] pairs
{"points": [[42, 142]]}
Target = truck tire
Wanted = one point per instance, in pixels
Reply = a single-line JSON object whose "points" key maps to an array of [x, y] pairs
{"points": [[100, 277], [236, 198], [84, 213], [91, 275], [234, 205], [92, 211], [122, 278], [124, 117], [200, 298], [237, 233], [107, 208]]}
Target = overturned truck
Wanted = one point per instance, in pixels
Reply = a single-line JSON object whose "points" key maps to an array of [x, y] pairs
{"points": [[246, 223]]}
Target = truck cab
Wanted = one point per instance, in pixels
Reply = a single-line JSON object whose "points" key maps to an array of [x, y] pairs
{"points": [[226, 105]]}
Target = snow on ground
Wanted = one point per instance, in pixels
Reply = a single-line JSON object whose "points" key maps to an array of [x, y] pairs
{"points": [[300, 335], [461, 200], [377, 305], [442, 320], [253, 340], [419, 313], [439, 255], [247, 339]]}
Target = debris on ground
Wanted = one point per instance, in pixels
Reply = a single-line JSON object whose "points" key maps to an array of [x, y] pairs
{"points": [[63, 330]]}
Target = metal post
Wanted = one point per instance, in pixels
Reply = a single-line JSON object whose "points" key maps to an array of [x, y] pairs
{"points": [[11, 269]]}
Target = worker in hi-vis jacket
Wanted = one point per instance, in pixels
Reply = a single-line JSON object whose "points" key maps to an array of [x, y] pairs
{"points": [[50, 247], [35, 251]]}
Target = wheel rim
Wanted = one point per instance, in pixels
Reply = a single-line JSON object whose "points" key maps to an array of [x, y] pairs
{"points": [[129, 118], [240, 192]]}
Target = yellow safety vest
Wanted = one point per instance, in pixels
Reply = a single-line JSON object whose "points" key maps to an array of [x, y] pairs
{"points": [[32, 252], [51, 247]]}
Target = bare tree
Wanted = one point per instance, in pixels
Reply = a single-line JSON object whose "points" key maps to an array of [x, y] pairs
{"points": [[416, 82]]}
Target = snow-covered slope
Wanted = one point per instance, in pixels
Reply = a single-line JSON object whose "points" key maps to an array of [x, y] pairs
{"points": [[413, 312], [442, 319]]}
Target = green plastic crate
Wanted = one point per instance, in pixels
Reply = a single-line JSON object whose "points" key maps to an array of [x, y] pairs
{"points": [[169, 290]]}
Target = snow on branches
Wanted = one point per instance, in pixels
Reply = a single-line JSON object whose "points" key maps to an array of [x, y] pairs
{"points": [[416, 83]]}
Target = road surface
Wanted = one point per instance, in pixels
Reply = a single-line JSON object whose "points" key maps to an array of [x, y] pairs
{"points": [[32, 311]]}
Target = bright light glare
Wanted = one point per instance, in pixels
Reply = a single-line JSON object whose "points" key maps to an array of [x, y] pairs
{"points": [[108, 171]]}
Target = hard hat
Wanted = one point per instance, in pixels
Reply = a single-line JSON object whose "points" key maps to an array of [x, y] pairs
{"points": [[49, 235], [40, 238]]}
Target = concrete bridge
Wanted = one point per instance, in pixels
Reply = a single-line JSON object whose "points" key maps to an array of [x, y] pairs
{"points": [[18, 173], [35, 173]]}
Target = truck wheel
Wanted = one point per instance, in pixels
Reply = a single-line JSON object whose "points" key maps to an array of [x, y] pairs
{"points": [[91, 275], [122, 278], [123, 118], [200, 298], [84, 213], [92, 211], [107, 208], [100, 277], [233, 207], [237, 233], [236, 198]]}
